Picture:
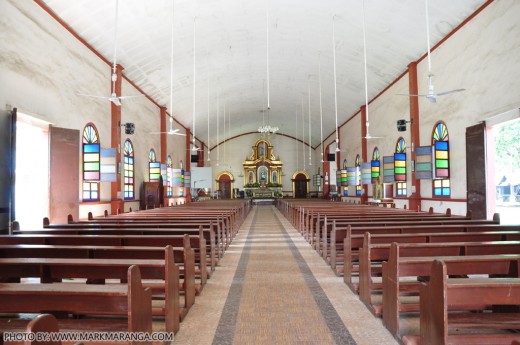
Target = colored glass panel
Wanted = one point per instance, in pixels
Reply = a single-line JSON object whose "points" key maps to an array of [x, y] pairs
{"points": [[155, 171], [400, 165], [375, 154], [441, 163], [401, 146], [441, 145], [358, 190], [440, 132], [91, 163], [401, 189], [151, 156], [441, 154], [344, 177], [91, 176], [129, 170], [90, 148], [90, 166]]}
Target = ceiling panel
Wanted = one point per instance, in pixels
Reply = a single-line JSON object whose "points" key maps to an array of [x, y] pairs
{"points": [[231, 53]]}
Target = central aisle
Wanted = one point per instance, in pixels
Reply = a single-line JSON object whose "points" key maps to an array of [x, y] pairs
{"points": [[265, 292]]}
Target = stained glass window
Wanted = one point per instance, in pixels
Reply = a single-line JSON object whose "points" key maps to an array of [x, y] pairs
{"points": [[155, 167], [128, 158], [91, 163], [169, 177], [358, 168], [344, 163], [441, 147], [400, 167], [376, 165]]}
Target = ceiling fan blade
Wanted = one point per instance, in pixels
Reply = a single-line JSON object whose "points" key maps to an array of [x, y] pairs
{"points": [[92, 96], [449, 92], [411, 95], [116, 101], [133, 96]]}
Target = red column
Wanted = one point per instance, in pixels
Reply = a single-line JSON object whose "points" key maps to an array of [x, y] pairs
{"points": [[415, 198], [115, 141], [164, 145], [364, 195]]}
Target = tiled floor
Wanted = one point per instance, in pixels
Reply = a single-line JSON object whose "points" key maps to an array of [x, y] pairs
{"points": [[271, 287]]}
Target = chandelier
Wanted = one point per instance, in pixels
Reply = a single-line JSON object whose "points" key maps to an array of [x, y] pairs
{"points": [[267, 129]]}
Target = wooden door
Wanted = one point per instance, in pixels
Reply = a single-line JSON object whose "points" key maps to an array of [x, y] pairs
{"points": [[7, 167], [476, 170], [225, 189], [301, 188], [64, 173]]}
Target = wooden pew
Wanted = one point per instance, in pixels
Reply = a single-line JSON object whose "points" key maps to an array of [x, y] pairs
{"points": [[132, 301], [213, 249], [214, 237], [122, 240], [397, 267], [98, 270], [441, 296], [339, 234], [354, 238], [112, 252], [371, 253]]}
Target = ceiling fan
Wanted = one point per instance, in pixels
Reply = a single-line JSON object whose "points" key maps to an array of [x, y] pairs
{"points": [[368, 136], [113, 96], [171, 131], [431, 95]]}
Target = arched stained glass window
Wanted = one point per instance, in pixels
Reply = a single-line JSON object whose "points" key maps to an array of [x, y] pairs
{"points": [[440, 143], [129, 169], [169, 177], [400, 166], [155, 167], [358, 168], [345, 163], [91, 163], [375, 164]]}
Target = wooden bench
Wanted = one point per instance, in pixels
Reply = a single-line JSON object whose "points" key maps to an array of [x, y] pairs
{"points": [[335, 246], [98, 270], [112, 252], [214, 237], [371, 253], [443, 296], [398, 267], [123, 240], [354, 237], [213, 249], [132, 301]]}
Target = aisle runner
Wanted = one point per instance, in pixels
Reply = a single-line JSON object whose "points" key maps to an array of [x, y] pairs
{"points": [[274, 297]]}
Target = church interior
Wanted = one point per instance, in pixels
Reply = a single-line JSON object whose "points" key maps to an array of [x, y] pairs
{"points": [[260, 172]]}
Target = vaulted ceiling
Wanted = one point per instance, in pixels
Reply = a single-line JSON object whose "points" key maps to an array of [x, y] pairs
{"points": [[231, 49]]}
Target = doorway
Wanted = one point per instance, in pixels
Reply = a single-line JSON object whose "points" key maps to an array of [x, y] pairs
{"points": [[225, 184], [32, 171], [300, 185], [503, 144]]}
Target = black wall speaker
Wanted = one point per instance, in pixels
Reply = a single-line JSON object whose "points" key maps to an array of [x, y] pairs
{"points": [[129, 128], [331, 157], [194, 159], [401, 125]]}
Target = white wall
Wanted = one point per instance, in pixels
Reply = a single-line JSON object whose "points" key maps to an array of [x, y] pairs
{"points": [[484, 58], [44, 68]]}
